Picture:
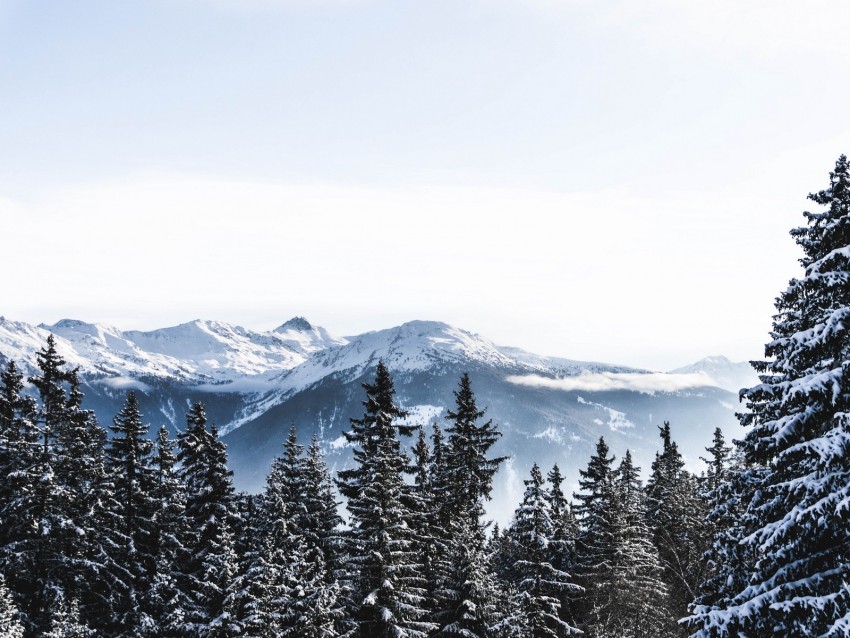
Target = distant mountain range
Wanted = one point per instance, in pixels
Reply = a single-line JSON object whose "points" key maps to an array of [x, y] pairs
{"points": [[256, 384]]}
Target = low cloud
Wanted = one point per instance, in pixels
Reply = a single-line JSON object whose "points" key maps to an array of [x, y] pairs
{"points": [[649, 383]]}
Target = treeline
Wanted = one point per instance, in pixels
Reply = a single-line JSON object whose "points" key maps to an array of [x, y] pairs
{"points": [[121, 534]]}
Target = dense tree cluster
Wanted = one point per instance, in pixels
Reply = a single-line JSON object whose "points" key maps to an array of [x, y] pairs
{"points": [[123, 533], [128, 534]]}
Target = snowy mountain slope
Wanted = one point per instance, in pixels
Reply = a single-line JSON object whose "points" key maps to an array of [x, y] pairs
{"points": [[727, 374], [300, 335], [220, 351], [230, 365]]}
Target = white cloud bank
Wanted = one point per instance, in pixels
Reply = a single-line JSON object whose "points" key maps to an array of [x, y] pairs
{"points": [[648, 383]]}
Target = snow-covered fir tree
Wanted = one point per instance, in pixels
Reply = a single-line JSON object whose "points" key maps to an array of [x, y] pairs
{"points": [[595, 511], [96, 577], [677, 512], [797, 519], [20, 456], [166, 602], [563, 537], [463, 481], [385, 574], [210, 560], [10, 621], [631, 598], [718, 462], [66, 621], [540, 585], [132, 511]]}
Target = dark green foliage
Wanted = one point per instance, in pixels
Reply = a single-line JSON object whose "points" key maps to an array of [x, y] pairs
{"points": [[677, 517], [540, 586], [210, 558], [388, 594]]}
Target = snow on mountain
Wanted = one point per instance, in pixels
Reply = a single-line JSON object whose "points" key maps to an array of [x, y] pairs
{"points": [[729, 375], [301, 335], [411, 347], [20, 341], [220, 350], [195, 352]]}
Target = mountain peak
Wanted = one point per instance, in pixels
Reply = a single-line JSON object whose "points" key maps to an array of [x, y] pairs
{"points": [[296, 323]]}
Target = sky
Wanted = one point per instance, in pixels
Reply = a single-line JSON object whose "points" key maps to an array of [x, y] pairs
{"points": [[610, 181]]}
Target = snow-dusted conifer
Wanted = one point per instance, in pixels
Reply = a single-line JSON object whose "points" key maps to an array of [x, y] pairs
{"points": [[595, 510], [718, 461], [563, 537], [66, 621], [132, 509], [630, 597], [10, 621], [20, 454], [797, 520], [676, 512], [211, 561], [166, 602], [540, 585], [384, 571], [463, 480]]}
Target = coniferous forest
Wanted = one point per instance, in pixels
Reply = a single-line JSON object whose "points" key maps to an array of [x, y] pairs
{"points": [[121, 531]]}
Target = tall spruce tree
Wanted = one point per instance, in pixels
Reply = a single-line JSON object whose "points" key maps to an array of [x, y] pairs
{"points": [[718, 461], [20, 503], [388, 593], [595, 510], [44, 571], [540, 585], [132, 510], [211, 560], [464, 481], [677, 512], [631, 597], [166, 601], [797, 520], [95, 577], [10, 622], [563, 537]]}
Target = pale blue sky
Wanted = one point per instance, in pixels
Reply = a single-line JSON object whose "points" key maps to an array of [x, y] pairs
{"points": [[637, 164]]}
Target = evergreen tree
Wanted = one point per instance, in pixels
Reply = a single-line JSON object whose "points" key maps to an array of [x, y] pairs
{"points": [[464, 481], [42, 571], [319, 600], [799, 431], [10, 623], [20, 457], [133, 508], [66, 621], [595, 510], [469, 471], [250, 590], [211, 561], [718, 462], [429, 540], [563, 537], [94, 576], [729, 563], [676, 512], [540, 585], [385, 573], [166, 602], [630, 598]]}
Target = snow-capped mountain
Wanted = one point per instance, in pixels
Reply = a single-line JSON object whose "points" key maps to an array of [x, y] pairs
{"points": [[730, 375], [256, 384], [299, 334]]}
